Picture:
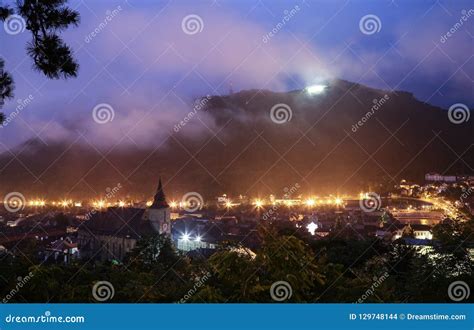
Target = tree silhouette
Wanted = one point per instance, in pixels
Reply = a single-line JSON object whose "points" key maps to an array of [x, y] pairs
{"points": [[6, 86], [51, 56]]}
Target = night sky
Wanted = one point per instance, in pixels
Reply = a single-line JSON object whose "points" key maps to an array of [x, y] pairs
{"points": [[149, 70]]}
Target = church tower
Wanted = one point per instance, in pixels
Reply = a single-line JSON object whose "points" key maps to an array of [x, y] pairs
{"points": [[159, 212]]}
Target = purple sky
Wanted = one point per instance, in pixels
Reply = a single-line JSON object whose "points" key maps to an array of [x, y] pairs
{"points": [[148, 69]]}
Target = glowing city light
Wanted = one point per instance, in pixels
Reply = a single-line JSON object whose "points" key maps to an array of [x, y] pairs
{"points": [[312, 228], [258, 203], [364, 196], [185, 237], [99, 204], [198, 238], [309, 201], [315, 89], [173, 204], [65, 203], [37, 202]]}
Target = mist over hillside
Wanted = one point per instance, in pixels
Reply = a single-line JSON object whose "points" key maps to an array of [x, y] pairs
{"points": [[342, 139]]}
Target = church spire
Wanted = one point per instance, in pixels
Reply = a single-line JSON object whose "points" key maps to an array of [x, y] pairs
{"points": [[159, 201]]}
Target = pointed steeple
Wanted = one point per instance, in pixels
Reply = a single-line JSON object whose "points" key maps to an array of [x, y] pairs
{"points": [[159, 201]]}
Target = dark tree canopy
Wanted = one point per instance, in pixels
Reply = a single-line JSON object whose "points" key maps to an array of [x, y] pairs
{"points": [[51, 56], [6, 86], [327, 270]]}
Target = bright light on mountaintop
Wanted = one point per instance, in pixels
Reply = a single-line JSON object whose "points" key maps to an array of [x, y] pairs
{"points": [[315, 89]]}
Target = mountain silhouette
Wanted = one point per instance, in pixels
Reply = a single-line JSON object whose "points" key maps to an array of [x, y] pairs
{"points": [[325, 142]]}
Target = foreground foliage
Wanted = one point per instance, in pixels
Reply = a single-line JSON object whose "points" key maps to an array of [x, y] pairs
{"points": [[328, 270]]}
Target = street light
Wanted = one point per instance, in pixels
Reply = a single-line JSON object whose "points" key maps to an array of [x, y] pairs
{"points": [[312, 228], [173, 204], [258, 203]]}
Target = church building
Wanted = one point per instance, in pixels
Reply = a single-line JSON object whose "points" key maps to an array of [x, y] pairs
{"points": [[111, 234]]}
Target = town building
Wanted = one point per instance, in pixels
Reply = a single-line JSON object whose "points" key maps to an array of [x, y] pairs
{"points": [[113, 233], [436, 177], [194, 233], [62, 250], [422, 232]]}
